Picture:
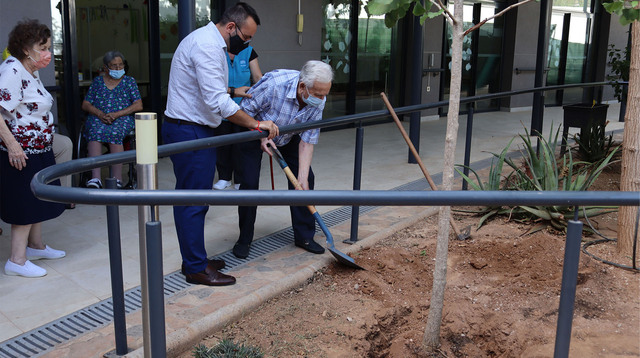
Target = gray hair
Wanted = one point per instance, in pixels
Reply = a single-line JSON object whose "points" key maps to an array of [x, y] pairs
{"points": [[315, 71], [109, 56]]}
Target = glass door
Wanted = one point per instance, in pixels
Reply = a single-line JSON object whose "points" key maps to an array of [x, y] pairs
{"points": [[480, 70], [373, 57], [567, 55]]}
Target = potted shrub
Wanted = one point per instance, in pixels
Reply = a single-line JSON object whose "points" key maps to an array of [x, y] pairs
{"points": [[584, 116]]}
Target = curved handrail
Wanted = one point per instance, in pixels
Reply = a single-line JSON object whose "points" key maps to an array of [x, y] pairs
{"points": [[256, 197]]}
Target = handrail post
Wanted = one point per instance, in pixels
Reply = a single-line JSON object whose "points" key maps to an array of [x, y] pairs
{"points": [[467, 144], [357, 180], [115, 265], [147, 159], [156, 289], [568, 287]]}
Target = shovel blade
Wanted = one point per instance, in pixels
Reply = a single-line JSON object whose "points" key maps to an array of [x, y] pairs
{"points": [[344, 259], [340, 256]]}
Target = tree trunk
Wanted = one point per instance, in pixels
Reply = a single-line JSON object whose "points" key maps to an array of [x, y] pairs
{"points": [[630, 176], [431, 339]]}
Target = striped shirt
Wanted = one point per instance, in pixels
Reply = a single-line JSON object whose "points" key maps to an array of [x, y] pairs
{"points": [[274, 99]]}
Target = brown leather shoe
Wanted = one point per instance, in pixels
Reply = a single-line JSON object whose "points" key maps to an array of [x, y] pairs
{"points": [[213, 264], [210, 277]]}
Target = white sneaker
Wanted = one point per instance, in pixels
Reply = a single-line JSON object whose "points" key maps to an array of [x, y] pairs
{"points": [[47, 253], [221, 184], [237, 186], [26, 270], [94, 183]]}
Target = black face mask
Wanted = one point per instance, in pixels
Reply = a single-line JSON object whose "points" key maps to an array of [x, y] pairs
{"points": [[236, 44]]}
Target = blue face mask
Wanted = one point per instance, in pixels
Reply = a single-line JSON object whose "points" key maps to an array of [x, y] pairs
{"points": [[312, 100], [117, 74]]}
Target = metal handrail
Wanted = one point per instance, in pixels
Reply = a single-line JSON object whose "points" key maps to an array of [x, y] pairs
{"points": [[161, 197], [333, 197]]}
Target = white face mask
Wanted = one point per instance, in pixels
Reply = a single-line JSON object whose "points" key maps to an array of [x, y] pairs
{"points": [[313, 100], [117, 74]]}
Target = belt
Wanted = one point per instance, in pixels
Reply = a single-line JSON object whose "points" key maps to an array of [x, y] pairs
{"points": [[181, 122]]}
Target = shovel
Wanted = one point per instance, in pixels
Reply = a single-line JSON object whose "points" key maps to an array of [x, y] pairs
{"points": [[467, 230], [340, 256]]}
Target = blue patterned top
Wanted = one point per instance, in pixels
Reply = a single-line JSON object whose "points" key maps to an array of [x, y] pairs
{"points": [[109, 101]]}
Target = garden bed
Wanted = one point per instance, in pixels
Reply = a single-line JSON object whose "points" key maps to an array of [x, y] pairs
{"points": [[501, 300]]}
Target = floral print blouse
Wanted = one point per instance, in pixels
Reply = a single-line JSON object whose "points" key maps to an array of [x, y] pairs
{"points": [[25, 106]]}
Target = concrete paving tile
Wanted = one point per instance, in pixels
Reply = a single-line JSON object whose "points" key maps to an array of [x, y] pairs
{"points": [[7, 328], [24, 307]]}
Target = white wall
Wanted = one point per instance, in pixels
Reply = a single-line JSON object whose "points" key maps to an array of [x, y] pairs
{"points": [[13, 11]]}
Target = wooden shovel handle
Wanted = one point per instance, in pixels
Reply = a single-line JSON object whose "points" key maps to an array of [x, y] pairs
{"points": [[290, 175], [415, 154]]}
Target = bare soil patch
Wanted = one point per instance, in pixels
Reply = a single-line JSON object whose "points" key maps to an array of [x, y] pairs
{"points": [[502, 298]]}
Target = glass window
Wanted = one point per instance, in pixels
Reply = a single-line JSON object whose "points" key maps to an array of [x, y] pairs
{"points": [[569, 70], [374, 53], [336, 39], [374, 50], [487, 70]]}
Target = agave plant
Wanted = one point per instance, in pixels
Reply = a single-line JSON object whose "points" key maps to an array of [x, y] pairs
{"points": [[540, 171], [595, 144]]}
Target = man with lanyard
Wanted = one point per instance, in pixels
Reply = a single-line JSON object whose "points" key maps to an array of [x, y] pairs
{"points": [[197, 100], [285, 97]]}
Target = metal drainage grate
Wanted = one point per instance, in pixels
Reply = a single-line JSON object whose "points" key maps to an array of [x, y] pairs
{"points": [[43, 339]]}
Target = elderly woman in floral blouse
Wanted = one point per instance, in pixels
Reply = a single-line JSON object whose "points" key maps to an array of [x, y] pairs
{"points": [[26, 125], [111, 101]]}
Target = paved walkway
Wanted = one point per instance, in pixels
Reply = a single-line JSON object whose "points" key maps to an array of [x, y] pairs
{"points": [[82, 278]]}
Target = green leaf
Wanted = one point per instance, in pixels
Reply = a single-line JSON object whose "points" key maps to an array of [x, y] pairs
{"points": [[485, 217], [380, 7], [613, 7], [535, 228], [543, 214], [418, 9], [390, 19], [477, 187], [431, 15]]}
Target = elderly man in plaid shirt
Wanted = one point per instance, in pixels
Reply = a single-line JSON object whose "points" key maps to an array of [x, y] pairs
{"points": [[285, 97]]}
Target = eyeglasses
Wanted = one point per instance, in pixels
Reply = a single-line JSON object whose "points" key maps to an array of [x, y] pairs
{"points": [[243, 36], [116, 66]]}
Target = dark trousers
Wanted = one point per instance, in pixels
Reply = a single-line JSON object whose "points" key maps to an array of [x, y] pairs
{"points": [[228, 154], [249, 169], [193, 170]]}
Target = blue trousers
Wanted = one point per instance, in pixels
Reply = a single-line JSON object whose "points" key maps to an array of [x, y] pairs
{"points": [[193, 170], [250, 158], [228, 154]]}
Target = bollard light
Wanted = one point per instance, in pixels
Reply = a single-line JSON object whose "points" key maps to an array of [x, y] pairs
{"points": [[151, 280], [146, 138]]}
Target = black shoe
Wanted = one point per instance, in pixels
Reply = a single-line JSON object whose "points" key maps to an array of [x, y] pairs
{"points": [[310, 246], [241, 251], [210, 277], [213, 264]]}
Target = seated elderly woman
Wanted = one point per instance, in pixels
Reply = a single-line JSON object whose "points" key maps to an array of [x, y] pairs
{"points": [[111, 101]]}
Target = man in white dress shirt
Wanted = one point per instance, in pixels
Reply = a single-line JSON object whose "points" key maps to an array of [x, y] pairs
{"points": [[197, 101]]}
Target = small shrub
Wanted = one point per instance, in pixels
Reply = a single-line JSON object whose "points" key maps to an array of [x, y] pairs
{"points": [[227, 349], [595, 145], [540, 170]]}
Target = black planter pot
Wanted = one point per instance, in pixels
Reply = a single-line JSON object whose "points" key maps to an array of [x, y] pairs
{"points": [[584, 116]]}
